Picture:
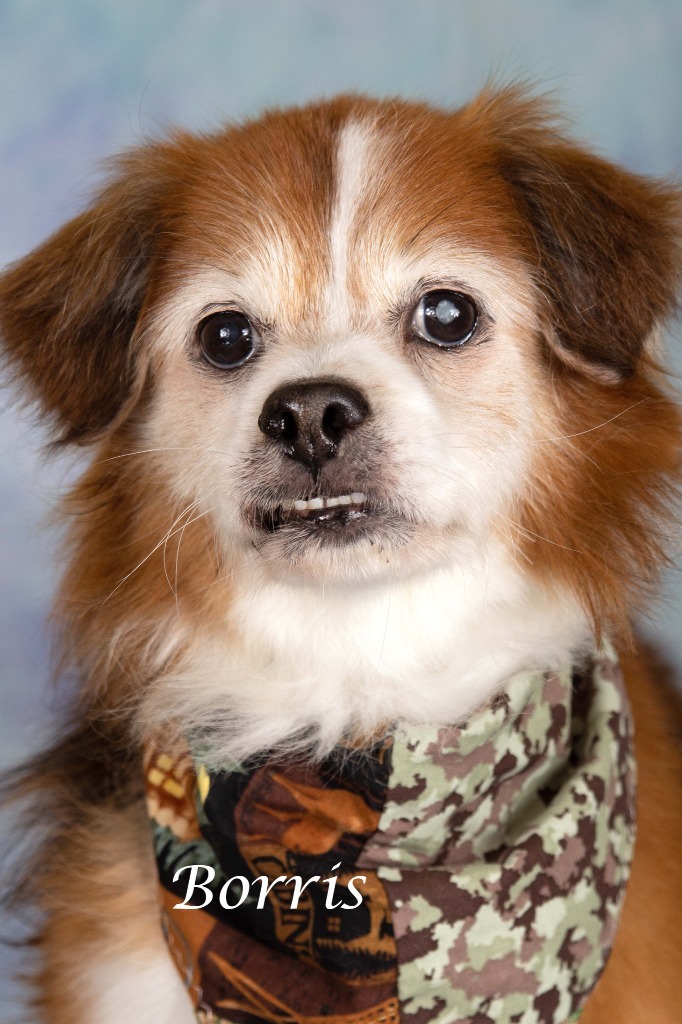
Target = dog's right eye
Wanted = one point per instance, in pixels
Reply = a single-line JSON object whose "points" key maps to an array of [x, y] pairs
{"points": [[227, 339]]}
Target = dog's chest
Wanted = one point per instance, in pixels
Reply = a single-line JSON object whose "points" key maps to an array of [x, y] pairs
{"points": [[447, 874]]}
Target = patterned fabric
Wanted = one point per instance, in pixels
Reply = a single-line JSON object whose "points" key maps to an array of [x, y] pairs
{"points": [[494, 855]]}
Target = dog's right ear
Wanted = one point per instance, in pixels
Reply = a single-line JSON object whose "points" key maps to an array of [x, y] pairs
{"points": [[68, 310]]}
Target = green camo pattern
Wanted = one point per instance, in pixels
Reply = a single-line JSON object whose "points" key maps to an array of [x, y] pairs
{"points": [[505, 846]]}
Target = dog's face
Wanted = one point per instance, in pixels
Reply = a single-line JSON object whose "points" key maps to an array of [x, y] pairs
{"points": [[347, 366], [363, 341]]}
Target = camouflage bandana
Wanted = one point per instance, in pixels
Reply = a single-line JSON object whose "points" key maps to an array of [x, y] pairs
{"points": [[493, 857]]}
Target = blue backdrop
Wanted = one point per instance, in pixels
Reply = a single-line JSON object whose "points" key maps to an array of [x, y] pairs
{"points": [[79, 79]]}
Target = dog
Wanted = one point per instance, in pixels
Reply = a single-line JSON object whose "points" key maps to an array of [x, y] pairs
{"points": [[379, 444]]}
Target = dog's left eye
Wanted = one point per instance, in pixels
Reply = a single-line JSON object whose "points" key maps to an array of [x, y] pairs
{"points": [[227, 339], [445, 318]]}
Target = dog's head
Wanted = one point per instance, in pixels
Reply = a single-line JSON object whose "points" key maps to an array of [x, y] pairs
{"points": [[364, 339]]}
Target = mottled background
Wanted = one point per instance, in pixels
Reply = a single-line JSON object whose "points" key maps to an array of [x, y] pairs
{"points": [[79, 79]]}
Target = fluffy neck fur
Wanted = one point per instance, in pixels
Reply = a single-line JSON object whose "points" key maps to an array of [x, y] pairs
{"points": [[306, 667]]}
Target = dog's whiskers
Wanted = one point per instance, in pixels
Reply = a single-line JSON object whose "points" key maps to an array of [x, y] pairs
{"points": [[543, 440], [156, 547], [164, 448], [177, 553], [189, 509], [181, 531], [538, 536]]}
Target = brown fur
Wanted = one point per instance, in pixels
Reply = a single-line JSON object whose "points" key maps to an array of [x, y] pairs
{"points": [[641, 984], [601, 247], [108, 866], [598, 511]]}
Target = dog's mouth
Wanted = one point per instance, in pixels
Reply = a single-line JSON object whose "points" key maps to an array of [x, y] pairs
{"points": [[323, 512]]}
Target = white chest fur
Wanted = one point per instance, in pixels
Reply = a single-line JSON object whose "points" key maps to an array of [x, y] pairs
{"points": [[302, 663]]}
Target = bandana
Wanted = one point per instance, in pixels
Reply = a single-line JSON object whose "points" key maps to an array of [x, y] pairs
{"points": [[482, 866]]}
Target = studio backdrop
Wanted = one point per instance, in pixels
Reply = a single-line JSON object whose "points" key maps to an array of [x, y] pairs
{"points": [[82, 79]]}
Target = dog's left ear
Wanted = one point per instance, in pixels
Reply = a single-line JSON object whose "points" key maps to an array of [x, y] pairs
{"points": [[604, 243], [68, 311]]}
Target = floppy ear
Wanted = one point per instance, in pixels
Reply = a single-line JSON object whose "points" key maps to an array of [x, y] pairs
{"points": [[68, 310], [604, 243]]}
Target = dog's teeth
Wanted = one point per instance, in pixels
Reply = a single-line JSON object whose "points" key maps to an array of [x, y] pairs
{"points": [[300, 505]]}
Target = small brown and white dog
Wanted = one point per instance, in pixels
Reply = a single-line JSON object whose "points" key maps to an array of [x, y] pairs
{"points": [[376, 420]]}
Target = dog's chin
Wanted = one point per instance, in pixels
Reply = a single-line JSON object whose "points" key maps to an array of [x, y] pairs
{"points": [[357, 543], [349, 542]]}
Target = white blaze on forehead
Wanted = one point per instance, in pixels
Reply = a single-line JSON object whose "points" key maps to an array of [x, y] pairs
{"points": [[353, 171]]}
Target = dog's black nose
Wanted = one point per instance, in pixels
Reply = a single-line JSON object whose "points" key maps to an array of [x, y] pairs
{"points": [[309, 418]]}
